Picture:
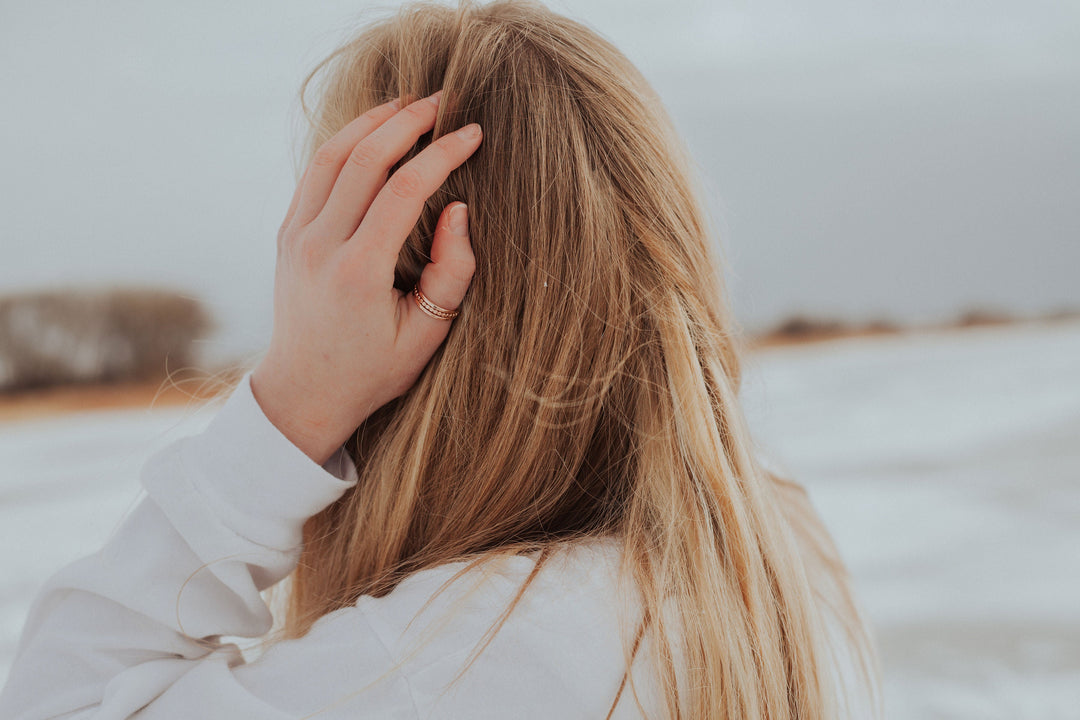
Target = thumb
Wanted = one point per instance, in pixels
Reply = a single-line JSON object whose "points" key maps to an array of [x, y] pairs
{"points": [[444, 280]]}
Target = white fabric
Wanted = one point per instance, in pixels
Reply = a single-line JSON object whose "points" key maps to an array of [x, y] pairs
{"points": [[117, 634]]}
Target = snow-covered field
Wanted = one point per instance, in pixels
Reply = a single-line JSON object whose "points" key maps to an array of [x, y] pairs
{"points": [[946, 464]]}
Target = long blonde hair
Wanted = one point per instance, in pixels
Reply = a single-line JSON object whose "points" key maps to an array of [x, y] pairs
{"points": [[589, 386]]}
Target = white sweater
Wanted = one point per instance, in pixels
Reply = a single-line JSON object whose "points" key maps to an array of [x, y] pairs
{"points": [[117, 634]]}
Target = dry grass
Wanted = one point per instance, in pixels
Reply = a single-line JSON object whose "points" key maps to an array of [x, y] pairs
{"points": [[62, 399]]}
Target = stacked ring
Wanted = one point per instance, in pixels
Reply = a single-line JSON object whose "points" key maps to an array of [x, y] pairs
{"points": [[430, 308]]}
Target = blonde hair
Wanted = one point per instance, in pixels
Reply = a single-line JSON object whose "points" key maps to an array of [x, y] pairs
{"points": [[589, 386]]}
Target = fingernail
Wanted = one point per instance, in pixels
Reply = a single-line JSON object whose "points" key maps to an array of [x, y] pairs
{"points": [[459, 221], [469, 132], [395, 103], [434, 99]]}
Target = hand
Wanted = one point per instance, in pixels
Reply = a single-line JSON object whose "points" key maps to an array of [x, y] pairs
{"points": [[345, 340]]}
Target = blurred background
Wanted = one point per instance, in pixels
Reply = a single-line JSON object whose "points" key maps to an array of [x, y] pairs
{"points": [[896, 190]]}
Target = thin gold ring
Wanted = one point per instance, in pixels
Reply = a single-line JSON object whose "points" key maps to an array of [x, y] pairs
{"points": [[430, 308]]}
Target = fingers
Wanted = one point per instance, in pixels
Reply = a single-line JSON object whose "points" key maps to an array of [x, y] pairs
{"points": [[398, 205], [364, 172], [444, 281], [326, 164]]}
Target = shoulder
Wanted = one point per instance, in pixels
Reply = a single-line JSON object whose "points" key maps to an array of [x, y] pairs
{"points": [[577, 578], [441, 645], [561, 648]]}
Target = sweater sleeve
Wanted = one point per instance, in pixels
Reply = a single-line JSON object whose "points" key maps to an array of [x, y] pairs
{"points": [[135, 627]]}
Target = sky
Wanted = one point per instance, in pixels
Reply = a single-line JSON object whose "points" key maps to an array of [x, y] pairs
{"points": [[901, 161]]}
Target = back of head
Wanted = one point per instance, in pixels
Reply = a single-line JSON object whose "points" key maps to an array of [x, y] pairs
{"points": [[589, 385]]}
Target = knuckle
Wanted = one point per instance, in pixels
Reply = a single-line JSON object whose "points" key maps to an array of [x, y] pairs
{"points": [[286, 236], [463, 268], [407, 182], [375, 115], [325, 156], [311, 255], [366, 156], [468, 266], [443, 148], [419, 111]]}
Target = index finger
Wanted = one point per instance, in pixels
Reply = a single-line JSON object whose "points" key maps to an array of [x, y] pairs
{"points": [[326, 163], [397, 207]]}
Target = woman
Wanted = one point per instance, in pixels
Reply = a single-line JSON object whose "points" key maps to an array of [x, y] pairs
{"points": [[495, 445]]}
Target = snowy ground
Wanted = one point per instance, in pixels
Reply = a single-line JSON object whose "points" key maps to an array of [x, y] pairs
{"points": [[946, 464], [948, 468]]}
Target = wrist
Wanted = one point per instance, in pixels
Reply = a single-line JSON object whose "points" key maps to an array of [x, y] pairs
{"points": [[302, 417]]}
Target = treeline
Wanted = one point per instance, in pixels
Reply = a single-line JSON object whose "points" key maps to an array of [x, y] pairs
{"points": [[87, 335]]}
